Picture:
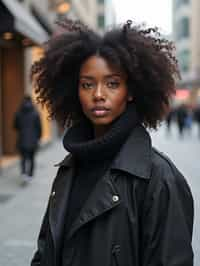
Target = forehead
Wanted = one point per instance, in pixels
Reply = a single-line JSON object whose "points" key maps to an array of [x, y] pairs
{"points": [[95, 65]]}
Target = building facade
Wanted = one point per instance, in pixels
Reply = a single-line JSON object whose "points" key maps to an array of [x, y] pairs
{"points": [[97, 14], [110, 14], [24, 26], [186, 34], [90, 12], [20, 30]]}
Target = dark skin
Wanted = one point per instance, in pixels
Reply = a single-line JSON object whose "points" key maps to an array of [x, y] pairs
{"points": [[103, 93]]}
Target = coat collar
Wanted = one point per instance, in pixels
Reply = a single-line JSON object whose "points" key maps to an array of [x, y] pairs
{"points": [[134, 156]]}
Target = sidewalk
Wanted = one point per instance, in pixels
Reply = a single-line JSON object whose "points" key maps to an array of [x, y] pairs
{"points": [[10, 177], [22, 206], [185, 154], [11, 160]]}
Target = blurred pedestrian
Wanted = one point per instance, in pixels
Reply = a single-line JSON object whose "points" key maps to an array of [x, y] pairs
{"points": [[181, 115], [197, 117], [28, 126], [189, 121], [115, 200], [169, 119]]}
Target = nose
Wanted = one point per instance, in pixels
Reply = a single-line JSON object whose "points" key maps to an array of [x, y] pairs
{"points": [[99, 93]]}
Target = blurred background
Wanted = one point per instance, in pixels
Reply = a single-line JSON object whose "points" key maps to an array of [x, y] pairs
{"points": [[24, 26]]}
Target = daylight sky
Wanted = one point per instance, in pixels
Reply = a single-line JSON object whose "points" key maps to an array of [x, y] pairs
{"points": [[153, 12]]}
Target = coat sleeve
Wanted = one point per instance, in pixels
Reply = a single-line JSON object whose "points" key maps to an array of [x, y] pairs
{"points": [[167, 222]]}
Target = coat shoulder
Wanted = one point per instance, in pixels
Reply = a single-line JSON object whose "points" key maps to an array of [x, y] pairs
{"points": [[66, 161], [161, 161], [165, 172]]}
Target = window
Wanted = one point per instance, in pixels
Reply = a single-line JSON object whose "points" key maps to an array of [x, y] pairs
{"points": [[101, 21], [179, 3], [101, 2], [183, 28], [184, 60]]}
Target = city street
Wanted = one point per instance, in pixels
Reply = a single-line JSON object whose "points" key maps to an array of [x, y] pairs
{"points": [[185, 153], [22, 205]]}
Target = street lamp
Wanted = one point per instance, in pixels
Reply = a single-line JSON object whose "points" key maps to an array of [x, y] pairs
{"points": [[8, 36], [63, 8]]}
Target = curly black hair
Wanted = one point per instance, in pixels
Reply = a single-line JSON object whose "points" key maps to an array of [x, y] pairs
{"points": [[142, 53]]}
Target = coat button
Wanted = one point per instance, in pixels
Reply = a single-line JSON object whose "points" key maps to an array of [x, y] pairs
{"points": [[53, 193], [115, 198]]}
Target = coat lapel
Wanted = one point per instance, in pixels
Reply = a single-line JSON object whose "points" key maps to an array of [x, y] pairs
{"points": [[58, 204], [103, 198]]}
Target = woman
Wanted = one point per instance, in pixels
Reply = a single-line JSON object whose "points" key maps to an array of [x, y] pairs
{"points": [[115, 199]]}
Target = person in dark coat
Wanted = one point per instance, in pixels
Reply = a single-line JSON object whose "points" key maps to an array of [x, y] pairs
{"points": [[197, 117], [28, 126], [115, 200], [181, 115], [169, 119]]}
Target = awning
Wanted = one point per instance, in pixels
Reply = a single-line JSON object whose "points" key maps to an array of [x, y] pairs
{"points": [[25, 23]]}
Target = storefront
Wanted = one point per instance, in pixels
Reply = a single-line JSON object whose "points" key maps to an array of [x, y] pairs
{"points": [[18, 31]]}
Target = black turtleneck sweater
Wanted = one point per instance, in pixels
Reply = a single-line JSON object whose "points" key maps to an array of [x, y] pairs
{"points": [[92, 158]]}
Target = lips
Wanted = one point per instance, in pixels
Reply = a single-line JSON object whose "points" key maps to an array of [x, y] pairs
{"points": [[100, 111]]}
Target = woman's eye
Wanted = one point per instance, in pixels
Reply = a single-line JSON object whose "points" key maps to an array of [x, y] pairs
{"points": [[113, 84], [86, 85]]}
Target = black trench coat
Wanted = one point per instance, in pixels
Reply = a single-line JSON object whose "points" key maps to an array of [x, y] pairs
{"points": [[139, 214]]}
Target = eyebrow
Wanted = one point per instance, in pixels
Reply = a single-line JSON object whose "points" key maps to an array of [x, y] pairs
{"points": [[107, 76]]}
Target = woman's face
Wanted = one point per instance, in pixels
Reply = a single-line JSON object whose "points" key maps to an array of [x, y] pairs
{"points": [[103, 92]]}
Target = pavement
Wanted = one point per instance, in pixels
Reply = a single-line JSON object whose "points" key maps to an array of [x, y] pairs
{"points": [[185, 153], [22, 205]]}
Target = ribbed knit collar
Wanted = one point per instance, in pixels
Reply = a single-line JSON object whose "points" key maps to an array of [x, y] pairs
{"points": [[79, 139]]}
